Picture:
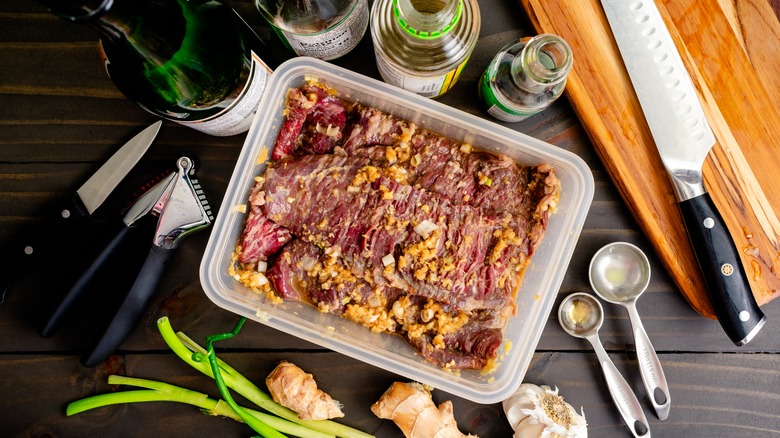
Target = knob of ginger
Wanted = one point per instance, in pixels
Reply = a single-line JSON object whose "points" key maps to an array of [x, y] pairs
{"points": [[411, 407], [293, 388]]}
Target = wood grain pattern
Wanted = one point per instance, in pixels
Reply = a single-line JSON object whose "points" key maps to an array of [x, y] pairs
{"points": [[756, 24], [738, 172], [52, 139]]}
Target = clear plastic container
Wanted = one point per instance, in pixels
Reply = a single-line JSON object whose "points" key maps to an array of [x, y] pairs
{"points": [[541, 281]]}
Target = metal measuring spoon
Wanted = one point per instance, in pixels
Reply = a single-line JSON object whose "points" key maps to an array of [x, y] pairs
{"points": [[581, 315], [619, 273]]}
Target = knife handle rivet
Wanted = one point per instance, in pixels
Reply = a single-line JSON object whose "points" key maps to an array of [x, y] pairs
{"points": [[709, 222], [28, 250], [744, 316], [65, 213], [726, 269]]}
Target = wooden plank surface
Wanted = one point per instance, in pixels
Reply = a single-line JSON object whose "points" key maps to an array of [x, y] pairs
{"points": [[60, 118], [735, 80]]}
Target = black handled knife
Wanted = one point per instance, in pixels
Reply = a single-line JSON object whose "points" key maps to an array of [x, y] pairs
{"points": [[29, 248], [684, 138]]}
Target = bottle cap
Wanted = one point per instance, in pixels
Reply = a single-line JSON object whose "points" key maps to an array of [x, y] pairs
{"points": [[427, 34]]}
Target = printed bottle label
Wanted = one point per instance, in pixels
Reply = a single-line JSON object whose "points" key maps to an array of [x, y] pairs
{"points": [[494, 107], [334, 42], [239, 116], [428, 86]]}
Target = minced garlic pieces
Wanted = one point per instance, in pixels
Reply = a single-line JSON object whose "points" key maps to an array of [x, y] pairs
{"points": [[441, 322], [407, 132], [374, 318], [365, 175], [506, 237], [330, 273], [251, 278]]}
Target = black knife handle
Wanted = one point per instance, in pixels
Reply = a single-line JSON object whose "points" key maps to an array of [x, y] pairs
{"points": [[28, 250], [73, 209], [133, 306], [118, 234], [724, 275]]}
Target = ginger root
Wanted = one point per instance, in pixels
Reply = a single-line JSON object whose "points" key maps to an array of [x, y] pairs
{"points": [[411, 407], [293, 388]]}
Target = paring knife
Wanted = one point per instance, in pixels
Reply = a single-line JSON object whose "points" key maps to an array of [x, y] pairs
{"points": [[684, 138], [28, 250]]}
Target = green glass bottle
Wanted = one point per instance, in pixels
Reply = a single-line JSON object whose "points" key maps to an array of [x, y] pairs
{"points": [[191, 61], [525, 77]]}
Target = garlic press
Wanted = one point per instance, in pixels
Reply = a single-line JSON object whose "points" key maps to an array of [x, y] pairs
{"points": [[183, 210]]}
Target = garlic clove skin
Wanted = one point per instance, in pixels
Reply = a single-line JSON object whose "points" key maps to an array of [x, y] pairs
{"points": [[538, 411], [528, 428]]}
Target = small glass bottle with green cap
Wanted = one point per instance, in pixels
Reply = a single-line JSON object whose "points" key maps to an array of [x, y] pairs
{"points": [[525, 77], [423, 45]]}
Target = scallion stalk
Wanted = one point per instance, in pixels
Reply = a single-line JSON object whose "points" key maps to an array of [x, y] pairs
{"points": [[189, 350], [159, 391]]}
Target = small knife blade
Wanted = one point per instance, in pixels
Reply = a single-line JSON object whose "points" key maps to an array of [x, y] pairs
{"points": [[683, 138], [30, 247], [97, 188]]}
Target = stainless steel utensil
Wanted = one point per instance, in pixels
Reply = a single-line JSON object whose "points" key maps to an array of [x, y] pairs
{"points": [[580, 314], [683, 138], [183, 210], [619, 273]]}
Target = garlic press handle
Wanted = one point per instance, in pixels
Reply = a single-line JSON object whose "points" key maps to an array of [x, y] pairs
{"points": [[133, 307]]}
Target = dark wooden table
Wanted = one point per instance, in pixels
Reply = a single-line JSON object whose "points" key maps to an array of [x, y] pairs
{"points": [[61, 117]]}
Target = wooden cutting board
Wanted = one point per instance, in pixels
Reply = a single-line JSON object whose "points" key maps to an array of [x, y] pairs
{"points": [[731, 49]]}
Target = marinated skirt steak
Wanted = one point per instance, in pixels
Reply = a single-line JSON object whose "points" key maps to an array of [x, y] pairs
{"points": [[395, 227]]}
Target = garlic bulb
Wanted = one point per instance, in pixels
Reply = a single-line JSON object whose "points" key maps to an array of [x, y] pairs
{"points": [[538, 411]]}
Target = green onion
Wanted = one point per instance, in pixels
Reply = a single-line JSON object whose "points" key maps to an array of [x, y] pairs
{"points": [[193, 354], [206, 361], [256, 424], [159, 391]]}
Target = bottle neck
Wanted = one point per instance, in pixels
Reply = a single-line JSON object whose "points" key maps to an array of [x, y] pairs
{"points": [[78, 10], [119, 22], [427, 19], [546, 59]]}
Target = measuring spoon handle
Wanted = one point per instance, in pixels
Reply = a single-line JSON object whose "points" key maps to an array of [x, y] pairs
{"points": [[650, 367], [621, 393]]}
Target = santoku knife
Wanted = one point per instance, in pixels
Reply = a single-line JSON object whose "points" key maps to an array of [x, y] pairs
{"points": [[26, 251], [683, 138]]}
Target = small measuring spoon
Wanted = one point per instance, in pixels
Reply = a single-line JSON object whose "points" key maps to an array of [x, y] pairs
{"points": [[581, 315], [619, 273]]}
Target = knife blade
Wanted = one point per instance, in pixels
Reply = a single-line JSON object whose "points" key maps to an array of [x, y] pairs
{"points": [[684, 138], [97, 188], [31, 247]]}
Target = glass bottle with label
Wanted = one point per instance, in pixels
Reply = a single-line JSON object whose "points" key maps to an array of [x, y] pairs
{"points": [[423, 45], [525, 77], [191, 61], [324, 29]]}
